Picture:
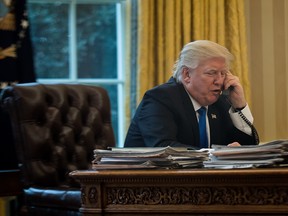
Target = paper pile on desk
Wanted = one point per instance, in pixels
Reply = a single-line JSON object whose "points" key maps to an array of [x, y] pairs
{"points": [[274, 153], [149, 158]]}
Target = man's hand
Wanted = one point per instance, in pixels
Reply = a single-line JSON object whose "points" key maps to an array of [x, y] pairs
{"points": [[236, 92], [234, 144]]}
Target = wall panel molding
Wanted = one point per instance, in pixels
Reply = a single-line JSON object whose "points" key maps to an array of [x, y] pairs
{"points": [[267, 32]]}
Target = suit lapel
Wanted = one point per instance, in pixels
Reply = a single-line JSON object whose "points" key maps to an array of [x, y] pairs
{"points": [[214, 124], [190, 115]]}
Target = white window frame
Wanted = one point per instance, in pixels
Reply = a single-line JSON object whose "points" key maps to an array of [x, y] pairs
{"points": [[120, 80]]}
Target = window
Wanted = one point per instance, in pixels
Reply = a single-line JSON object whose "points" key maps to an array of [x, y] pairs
{"points": [[81, 41]]}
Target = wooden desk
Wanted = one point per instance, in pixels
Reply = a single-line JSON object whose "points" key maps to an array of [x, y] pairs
{"points": [[184, 192], [10, 184]]}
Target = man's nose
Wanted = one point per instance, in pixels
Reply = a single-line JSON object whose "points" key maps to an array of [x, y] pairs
{"points": [[218, 78]]}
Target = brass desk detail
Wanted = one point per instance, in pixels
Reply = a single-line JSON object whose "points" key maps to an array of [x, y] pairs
{"points": [[184, 192]]}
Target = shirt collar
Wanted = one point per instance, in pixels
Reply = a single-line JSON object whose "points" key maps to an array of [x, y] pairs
{"points": [[196, 105]]}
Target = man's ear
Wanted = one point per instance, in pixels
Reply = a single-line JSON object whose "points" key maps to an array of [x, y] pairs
{"points": [[185, 74]]}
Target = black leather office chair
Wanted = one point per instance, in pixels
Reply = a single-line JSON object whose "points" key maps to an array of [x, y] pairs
{"points": [[56, 127]]}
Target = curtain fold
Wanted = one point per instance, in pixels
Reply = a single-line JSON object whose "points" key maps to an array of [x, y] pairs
{"points": [[129, 62], [164, 26]]}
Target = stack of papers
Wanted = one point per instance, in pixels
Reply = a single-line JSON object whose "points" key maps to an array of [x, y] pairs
{"points": [[149, 158], [274, 153]]}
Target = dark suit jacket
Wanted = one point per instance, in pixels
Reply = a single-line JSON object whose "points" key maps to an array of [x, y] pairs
{"points": [[166, 117]]}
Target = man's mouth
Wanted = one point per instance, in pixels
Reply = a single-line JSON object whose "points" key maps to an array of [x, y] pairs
{"points": [[217, 91]]}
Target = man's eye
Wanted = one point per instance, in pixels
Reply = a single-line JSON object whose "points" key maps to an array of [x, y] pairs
{"points": [[211, 73], [216, 73]]}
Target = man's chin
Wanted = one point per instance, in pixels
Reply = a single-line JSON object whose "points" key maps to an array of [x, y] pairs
{"points": [[213, 99]]}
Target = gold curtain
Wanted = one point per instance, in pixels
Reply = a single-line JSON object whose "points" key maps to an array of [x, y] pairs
{"points": [[164, 26], [127, 62]]}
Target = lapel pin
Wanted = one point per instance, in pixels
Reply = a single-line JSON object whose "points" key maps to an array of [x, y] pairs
{"points": [[213, 116]]}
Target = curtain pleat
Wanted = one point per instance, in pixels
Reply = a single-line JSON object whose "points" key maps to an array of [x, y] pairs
{"points": [[160, 40], [236, 42], [170, 38], [220, 36], [128, 62], [186, 21]]}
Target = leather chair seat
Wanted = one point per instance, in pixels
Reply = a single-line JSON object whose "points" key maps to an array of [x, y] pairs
{"points": [[49, 198]]}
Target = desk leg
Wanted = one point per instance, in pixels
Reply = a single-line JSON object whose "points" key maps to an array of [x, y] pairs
{"points": [[92, 200]]}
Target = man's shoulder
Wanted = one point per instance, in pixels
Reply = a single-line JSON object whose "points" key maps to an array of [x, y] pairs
{"points": [[168, 86], [171, 93]]}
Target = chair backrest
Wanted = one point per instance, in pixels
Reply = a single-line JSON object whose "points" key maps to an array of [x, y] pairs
{"points": [[56, 127]]}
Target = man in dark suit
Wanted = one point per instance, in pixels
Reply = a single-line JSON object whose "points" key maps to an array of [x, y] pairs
{"points": [[168, 114]]}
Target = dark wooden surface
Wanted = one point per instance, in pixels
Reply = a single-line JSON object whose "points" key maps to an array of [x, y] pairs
{"points": [[10, 184], [184, 192]]}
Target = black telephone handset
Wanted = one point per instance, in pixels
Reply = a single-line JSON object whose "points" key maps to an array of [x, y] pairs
{"points": [[226, 93]]}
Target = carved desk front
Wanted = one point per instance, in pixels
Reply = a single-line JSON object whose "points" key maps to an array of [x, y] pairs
{"points": [[184, 192]]}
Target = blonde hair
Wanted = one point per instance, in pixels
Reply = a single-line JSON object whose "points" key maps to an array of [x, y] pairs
{"points": [[195, 52]]}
